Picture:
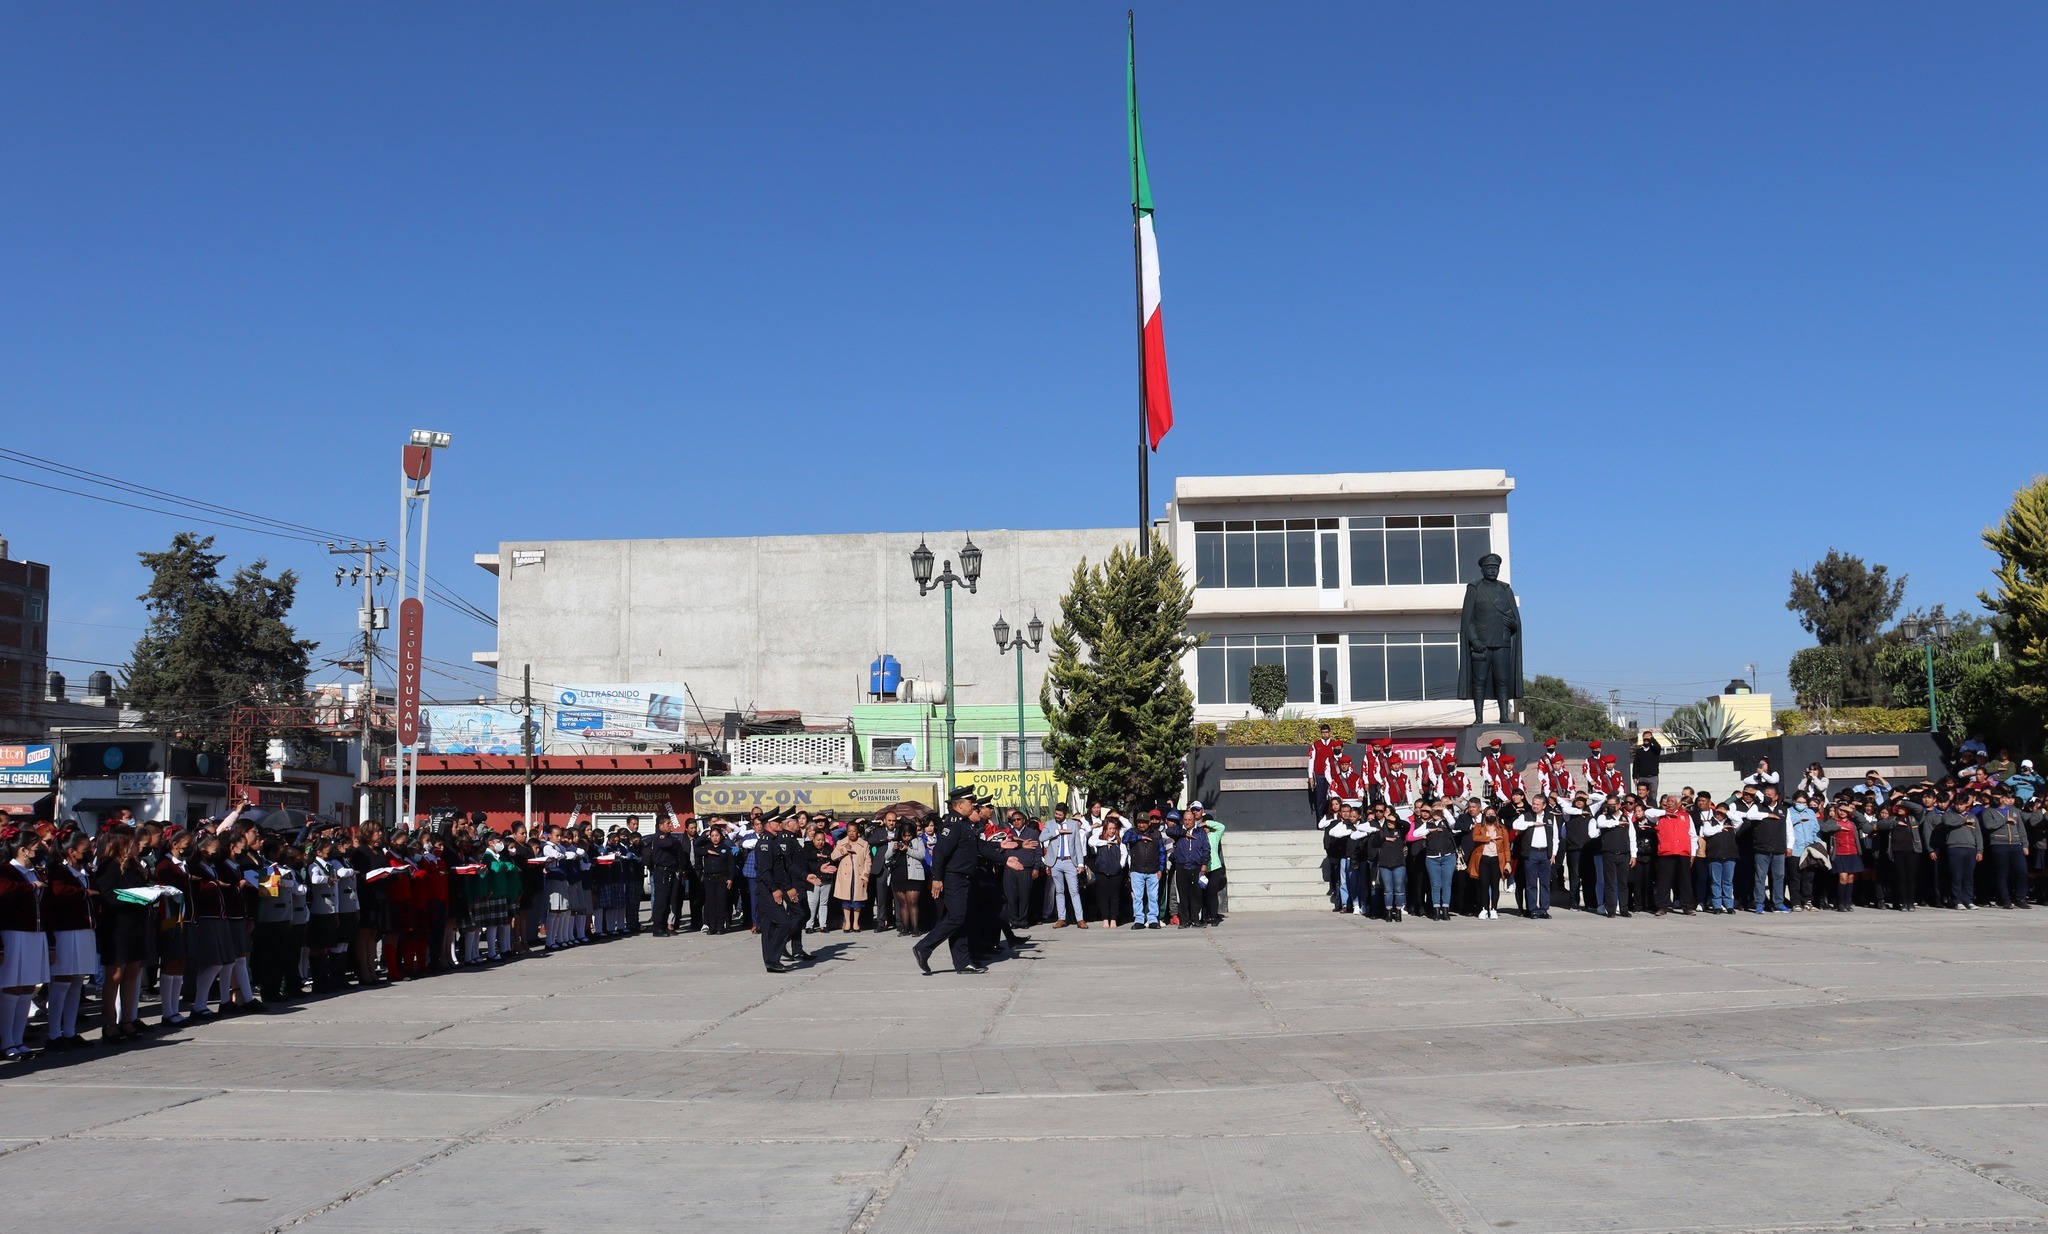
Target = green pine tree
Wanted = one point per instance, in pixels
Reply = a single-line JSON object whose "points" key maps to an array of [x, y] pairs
{"points": [[211, 645], [1120, 712], [2020, 605]]}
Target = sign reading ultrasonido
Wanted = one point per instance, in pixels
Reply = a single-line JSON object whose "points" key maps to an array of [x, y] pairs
{"points": [[619, 712]]}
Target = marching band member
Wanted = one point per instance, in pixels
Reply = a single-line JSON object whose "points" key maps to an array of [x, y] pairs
{"points": [[1552, 776], [1594, 770], [1393, 774], [1322, 767]]}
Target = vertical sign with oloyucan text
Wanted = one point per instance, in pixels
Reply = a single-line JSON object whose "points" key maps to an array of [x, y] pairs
{"points": [[411, 616]]}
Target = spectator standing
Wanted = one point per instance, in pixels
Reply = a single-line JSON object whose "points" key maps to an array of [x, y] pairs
{"points": [[1065, 849], [1144, 856], [1190, 859], [1677, 838], [1106, 866], [2005, 849], [1219, 877], [1646, 760], [1492, 845]]}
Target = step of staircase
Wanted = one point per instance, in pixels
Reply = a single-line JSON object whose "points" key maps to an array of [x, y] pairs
{"points": [[1274, 871], [1719, 779]]}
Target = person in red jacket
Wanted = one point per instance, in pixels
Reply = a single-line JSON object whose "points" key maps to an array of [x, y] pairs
{"points": [[1676, 839], [1322, 768]]}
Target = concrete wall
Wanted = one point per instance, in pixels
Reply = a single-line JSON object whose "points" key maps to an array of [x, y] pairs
{"points": [[775, 622]]}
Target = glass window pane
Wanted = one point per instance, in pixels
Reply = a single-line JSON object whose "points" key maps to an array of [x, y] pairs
{"points": [[1475, 520], [1301, 558], [1238, 676], [1272, 559], [1439, 670], [1404, 558], [1326, 676], [1209, 559], [1404, 673], [1473, 543], [1209, 686], [1438, 520], [1439, 556], [1327, 524], [1403, 520], [1272, 524], [1300, 678], [1238, 561], [1368, 673], [1238, 525], [1301, 524], [1269, 655], [1364, 524], [1208, 526], [1368, 559], [1270, 640], [1330, 576]]}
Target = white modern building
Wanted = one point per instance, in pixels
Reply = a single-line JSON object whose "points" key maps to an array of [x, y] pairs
{"points": [[1354, 581]]}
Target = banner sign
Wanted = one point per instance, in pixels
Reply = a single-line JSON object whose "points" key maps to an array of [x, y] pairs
{"points": [[27, 766], [139, 783], [628, 712], [1043, 789], [720, 795], [411, 616], [473, 730]]}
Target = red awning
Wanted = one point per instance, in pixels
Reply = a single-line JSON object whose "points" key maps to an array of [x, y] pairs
{"points": [[635, 779], [436, 778]]}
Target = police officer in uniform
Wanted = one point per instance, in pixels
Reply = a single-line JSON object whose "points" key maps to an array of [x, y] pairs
{"points": [[771, 910], [956, 851], [664, 855], [794, 864]]}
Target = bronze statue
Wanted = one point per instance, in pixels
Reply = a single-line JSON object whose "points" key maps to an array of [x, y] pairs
{"points": [[1489, 642]]}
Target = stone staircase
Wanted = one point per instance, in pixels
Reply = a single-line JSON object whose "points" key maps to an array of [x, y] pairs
{"points": [[1719, 779], [1274, 871]]}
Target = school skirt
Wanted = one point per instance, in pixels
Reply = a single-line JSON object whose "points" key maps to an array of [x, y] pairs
{"points": [[126, 938], [27, 958], [1848, 863], [170, 939], [559, 895], [323, 930], [489, 912], [75, 952], [208, 943]]}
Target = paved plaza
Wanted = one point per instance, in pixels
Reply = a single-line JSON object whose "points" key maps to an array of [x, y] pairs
{"points": [[1286, 1072]]}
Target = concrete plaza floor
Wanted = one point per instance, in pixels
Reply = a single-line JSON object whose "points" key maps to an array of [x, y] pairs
{"points": [[1285, 1072]]}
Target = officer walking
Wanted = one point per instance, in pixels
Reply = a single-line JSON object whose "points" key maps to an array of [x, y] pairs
{"points": [[772, 914], [956, 851], [664, 864]]}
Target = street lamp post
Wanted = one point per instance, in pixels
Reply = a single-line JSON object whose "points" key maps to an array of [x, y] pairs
{"points": [[1005, 644], [970, 574], [1928, 634]]}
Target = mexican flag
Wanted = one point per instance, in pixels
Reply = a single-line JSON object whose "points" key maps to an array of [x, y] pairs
{"points": [[1158, 395]]}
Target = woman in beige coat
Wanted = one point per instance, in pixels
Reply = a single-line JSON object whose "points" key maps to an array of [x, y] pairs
{"points": [[850, 879]]}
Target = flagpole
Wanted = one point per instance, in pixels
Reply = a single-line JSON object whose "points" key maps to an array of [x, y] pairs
{"points": [[1138, 271]]}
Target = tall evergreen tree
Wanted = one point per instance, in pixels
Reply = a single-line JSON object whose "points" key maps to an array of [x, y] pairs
{"points": [[1556, 708], [1120, 713], [211, 644], [2020, 604], [1844, 603]]}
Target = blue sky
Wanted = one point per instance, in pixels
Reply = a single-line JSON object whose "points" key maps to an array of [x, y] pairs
{"points": [[1722, 286]]}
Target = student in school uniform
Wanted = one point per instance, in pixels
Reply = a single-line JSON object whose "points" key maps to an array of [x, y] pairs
{"points": [[24, 945], [74, 944], [126, 939]]}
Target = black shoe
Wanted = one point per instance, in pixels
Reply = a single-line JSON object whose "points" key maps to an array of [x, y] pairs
{"points": [[972, 968], [1154, 926], [924, 961], [779, 969]]}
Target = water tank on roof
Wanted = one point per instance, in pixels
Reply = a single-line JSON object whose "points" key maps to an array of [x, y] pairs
{"points": [[885, 676], [56, 690], [99, 684], [915, 691]]}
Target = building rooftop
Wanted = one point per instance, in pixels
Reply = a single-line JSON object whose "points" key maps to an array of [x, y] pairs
{"points": [[1475, 483]]}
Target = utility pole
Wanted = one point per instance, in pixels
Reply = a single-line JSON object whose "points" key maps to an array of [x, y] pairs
{"points": [[369, 621], [526, 729]]}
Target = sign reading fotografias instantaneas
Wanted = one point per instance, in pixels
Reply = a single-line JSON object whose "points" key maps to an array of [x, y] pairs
{"points": [[619, 712]]}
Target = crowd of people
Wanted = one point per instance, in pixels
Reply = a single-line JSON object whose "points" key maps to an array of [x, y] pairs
{"points": [[1977, 837]]}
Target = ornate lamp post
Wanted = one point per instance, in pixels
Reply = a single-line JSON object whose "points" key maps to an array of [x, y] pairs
{"points": [[1928, 634], [1006, 645], [970, 573]]}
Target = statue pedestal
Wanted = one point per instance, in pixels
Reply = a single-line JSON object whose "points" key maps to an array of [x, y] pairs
{"points": [[1515, 739]]}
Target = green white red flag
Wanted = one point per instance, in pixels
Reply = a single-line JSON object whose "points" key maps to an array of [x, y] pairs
{"points": [[1158, 394]]}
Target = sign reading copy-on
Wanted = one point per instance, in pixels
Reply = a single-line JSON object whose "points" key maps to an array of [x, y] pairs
{"points": [[411, 616], [26, 766], [717, 796], [628, 711]]}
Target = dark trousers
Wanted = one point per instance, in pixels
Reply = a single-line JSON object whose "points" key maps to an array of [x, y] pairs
{"points": [[1614, 882], [716, 910], [693, 893], [1212, 901], [1188, 887], [1674, 883], [1801, 878], [1643, 882], [2008, 864], [1593, 876], [1107, 894], [951, 927], [272, 958], [774, 920], [1533, 892], [666, 884], [1016, 898], [743, 888], [1962, 874], [1905, 874]]}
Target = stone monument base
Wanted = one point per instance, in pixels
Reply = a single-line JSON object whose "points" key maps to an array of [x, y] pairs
{"points": [[1515, 739]]}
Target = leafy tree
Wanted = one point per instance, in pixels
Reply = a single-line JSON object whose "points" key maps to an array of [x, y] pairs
{"points": [[1269, 688], [1556, 708], [211, 644], [1120, 714], [1844, 603], [2020, 604], [1965, 654], [1820, 676]]}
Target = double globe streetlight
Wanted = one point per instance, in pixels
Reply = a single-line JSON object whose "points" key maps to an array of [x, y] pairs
{"points": [[970, 573], [1929, 634], [1005, 644]]}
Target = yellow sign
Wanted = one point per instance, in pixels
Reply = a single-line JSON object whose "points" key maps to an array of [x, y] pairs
{"points": [[723, 795], [1041, 787]]}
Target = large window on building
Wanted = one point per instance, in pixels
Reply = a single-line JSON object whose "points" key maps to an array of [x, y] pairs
{"points": [[1403, 668], [1267, 552], [1223, 666], [1403, 550], [1035, 757]]}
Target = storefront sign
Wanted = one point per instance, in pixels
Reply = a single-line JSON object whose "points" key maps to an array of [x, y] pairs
{"points": [[139, 783], [26, 766], [473, 730], [723, 796], [1042, 788], [411, 616], [620, 712]]}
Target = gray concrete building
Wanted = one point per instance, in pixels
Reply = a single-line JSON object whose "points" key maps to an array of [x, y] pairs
{"points": [[772, 622]]}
